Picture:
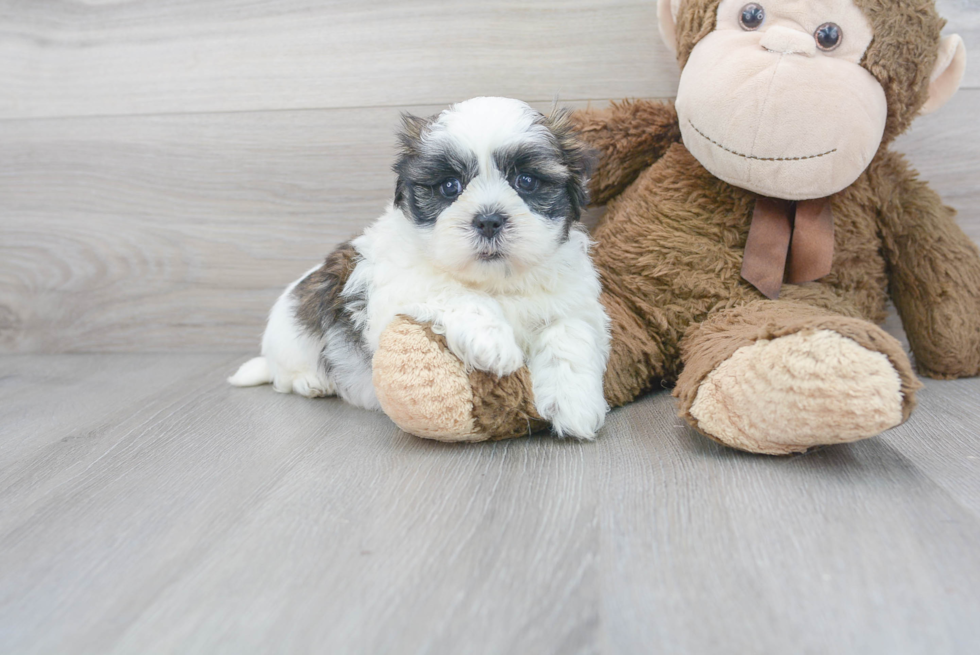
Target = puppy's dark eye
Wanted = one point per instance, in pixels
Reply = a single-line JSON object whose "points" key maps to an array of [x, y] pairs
{"points": [[526, 183], [752, 16], [450, 188], [828, 36]]}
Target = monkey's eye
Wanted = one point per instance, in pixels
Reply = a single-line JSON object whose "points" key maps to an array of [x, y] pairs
{"points": [[526, 183], [828, 36], [450, 188], [752, 16]]}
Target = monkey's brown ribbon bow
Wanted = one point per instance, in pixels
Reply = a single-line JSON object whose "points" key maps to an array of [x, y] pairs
{"points": [[788, 242]]}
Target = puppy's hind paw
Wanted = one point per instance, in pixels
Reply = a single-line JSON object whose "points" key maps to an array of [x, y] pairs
{"points": [[313, 386], [307, 384]]}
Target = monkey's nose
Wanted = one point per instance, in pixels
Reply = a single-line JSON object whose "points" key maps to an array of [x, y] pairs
{"points": [[787, 41], [489, 224]]}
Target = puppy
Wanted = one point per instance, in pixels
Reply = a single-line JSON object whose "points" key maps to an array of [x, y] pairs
{"points": [[482, 242]]}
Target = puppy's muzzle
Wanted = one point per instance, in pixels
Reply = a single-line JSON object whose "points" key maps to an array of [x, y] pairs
{"points": [[489, 225]]}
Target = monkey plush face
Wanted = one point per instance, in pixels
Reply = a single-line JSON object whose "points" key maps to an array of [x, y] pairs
{"points": [[775, 100], [786, 98]]}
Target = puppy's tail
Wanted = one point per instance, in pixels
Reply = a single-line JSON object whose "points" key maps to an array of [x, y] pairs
{"points": [[252, 373]]}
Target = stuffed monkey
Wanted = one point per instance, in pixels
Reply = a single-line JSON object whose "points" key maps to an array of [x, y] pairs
{"points": [[754, 233]]}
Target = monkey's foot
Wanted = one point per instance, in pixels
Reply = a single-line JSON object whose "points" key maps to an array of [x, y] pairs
{"points": [[814, 387], [427, 392], [781, 377]]}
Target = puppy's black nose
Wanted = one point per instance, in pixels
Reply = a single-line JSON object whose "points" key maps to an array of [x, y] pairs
{"points": [[489, 224]]}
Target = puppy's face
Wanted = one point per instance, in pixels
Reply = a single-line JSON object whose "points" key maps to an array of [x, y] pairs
{"points": [[491, 185]]}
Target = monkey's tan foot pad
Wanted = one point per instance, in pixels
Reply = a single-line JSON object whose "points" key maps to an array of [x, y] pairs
{"points": [[427, 391], [807, 389]]}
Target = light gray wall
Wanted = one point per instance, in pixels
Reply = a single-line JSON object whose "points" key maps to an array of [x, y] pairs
{"points": [[167, 166]]}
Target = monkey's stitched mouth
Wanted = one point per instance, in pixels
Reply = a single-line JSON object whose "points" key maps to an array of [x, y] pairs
{"points": [[738, 154]]}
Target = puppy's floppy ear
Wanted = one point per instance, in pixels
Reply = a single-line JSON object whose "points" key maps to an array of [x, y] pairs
{"points": [[579, 158], [411, 133], [410, 138]]}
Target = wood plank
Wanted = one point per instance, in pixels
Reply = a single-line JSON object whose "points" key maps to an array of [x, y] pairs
{"points": [[314, 519], [210, 519], [81, 396], [943, 148], [852, 549], [176, 233], [943, 439], [171, 226], [79, 58]]}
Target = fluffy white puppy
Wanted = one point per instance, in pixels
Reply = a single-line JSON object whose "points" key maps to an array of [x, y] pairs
{"points": [[482, 242]]}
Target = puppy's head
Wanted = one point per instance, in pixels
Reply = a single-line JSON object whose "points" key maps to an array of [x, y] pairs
{"points": [[491, 185]]}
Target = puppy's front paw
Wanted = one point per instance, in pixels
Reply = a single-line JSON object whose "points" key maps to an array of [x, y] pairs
{"points": [[486, 346], [572, 412], [495, 351]]}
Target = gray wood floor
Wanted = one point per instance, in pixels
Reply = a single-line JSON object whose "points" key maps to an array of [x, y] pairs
{"points": [[145, 507]]}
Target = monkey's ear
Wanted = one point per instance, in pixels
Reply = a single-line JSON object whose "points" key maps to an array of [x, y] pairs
{"points": [[667, 16], [948, 73]]}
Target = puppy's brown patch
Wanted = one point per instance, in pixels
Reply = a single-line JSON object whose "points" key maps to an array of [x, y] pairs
{"points": [[320, 303]]}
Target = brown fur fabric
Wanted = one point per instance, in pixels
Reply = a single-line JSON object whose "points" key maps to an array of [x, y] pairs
{"points": [[634, 135], [934, 271], [670, 254], [503, 408], [902, 56], [670, 251]]}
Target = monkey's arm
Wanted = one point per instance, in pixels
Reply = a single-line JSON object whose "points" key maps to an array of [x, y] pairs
{"points": [[629, 136], [934, 271]]}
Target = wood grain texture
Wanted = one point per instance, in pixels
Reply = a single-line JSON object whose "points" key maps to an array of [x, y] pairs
{"points": [[170, 226], [176, 233], [942, 149], [78, 58], [145, 506]]}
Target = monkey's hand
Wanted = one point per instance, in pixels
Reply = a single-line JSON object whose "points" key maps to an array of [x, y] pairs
{"points": [[629, 136], [427, 391], [935, 277]]}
